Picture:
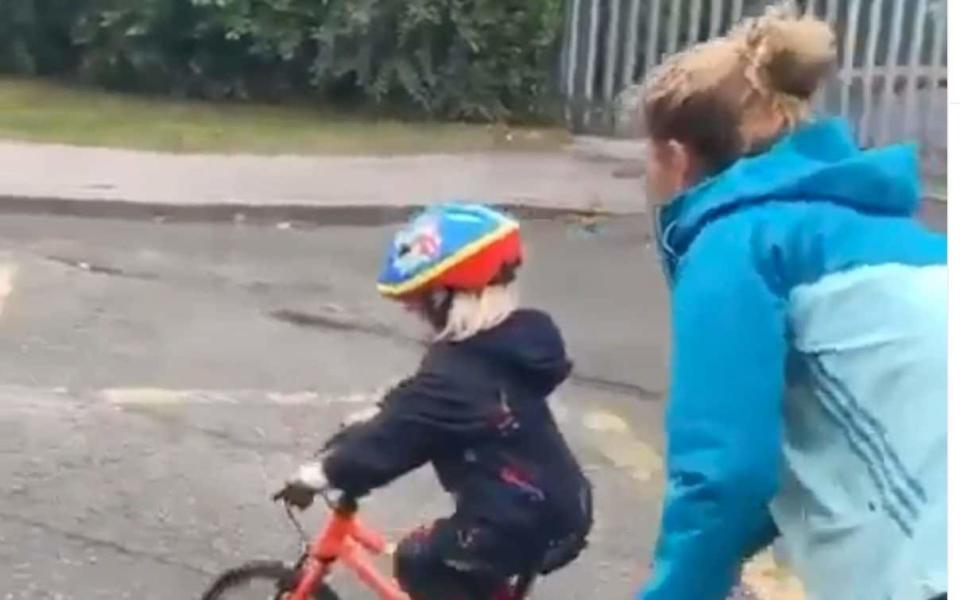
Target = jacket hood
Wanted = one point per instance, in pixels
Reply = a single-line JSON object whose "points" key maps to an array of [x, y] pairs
{"points": [[529, 343], [817, 162]]}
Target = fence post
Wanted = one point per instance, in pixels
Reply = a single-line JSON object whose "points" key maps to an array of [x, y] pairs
{"points": [[630, 59], [573, 53], [716, 15], [913, 76], [870, 69], [613, 47], [736, 12], [938, 59], [693, 27], [832, 10], [653, 37], [673, 34], [892, 71], [849, 49], [592, 43]]}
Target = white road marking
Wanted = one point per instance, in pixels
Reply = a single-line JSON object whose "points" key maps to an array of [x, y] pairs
{"points": [[160, 397], [145, 396], [293, 398], [8, 273]]}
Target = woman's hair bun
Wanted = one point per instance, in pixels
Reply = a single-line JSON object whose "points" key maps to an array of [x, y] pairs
{"points": [[795, 54]]}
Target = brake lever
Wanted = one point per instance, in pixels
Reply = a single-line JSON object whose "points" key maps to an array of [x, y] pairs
{"points": [[304, 539]]}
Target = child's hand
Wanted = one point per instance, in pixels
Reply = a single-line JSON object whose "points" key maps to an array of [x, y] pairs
{"points": [[300, 488]]}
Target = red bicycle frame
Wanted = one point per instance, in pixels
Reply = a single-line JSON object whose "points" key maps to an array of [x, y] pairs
{"points": [[346, 540]]}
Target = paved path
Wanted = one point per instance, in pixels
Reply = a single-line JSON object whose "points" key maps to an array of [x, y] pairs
{"points": [[574, 179]]}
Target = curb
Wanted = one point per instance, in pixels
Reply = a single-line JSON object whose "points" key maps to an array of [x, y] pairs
{"points": [[310, 215]]}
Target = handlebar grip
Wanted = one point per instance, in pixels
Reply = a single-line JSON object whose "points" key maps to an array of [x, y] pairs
{"points": [[295, 495]]}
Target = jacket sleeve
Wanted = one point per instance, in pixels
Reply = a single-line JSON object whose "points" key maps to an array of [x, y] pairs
{"points": [[417, 421], [723, 419]]}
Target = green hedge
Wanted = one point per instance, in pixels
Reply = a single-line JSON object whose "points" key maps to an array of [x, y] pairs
{"points": [[473, 59]]}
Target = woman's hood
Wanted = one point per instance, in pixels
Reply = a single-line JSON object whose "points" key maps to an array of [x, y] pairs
{"points": [[818, 162]]}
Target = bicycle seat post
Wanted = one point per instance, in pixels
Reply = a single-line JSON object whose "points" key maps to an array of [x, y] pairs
{"points": [[346, 506]]}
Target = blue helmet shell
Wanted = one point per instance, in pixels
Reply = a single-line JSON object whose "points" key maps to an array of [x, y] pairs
{"points": [[436, 241]]}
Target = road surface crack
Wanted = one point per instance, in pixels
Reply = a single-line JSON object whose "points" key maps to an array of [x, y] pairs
{"points": [[100, 269], [93, 541]]}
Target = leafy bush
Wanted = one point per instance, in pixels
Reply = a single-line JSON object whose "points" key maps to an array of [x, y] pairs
{"points": [[483, 59], [474, 59], [35, 35]]}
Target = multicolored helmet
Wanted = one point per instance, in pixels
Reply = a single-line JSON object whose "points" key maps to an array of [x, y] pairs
{"points": [[459, 246]]}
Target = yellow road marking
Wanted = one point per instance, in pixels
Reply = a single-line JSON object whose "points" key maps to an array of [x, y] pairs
{"points": [[606, 423], [621, 445]]}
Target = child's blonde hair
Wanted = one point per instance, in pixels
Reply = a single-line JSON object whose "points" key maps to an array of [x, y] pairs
{"points": [[730, 96], [473, 312]]}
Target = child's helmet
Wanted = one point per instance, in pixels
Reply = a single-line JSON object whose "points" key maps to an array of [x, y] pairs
{"points": [[458, 246]]}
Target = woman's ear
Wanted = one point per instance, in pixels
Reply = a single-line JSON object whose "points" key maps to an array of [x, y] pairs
{"points": [[685, 165], [668, 170]]}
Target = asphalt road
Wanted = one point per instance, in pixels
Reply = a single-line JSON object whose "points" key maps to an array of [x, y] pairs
{"points": [[158, 380]]}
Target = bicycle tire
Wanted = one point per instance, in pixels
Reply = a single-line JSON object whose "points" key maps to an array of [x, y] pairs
{"points": [[277, 572]]}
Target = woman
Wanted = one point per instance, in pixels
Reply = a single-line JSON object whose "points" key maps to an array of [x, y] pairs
{"points": [[476, 410], [808, 384]]}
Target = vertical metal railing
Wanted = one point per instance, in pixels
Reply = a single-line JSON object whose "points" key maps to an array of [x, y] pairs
{"points": [[653, 35], [849, 53], [630, 49], [938, 67], [892, 57], [870, 67], [613, 48], [891, 73], [913, 77]]}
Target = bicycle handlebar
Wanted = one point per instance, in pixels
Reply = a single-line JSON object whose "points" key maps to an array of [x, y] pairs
{"points": [[335, 499]]}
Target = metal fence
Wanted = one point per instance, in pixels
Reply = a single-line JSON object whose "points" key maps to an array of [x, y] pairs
{"points": [[891, 81]]}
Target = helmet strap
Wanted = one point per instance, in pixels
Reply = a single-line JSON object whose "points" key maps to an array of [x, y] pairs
{"points": [[436, 307]]}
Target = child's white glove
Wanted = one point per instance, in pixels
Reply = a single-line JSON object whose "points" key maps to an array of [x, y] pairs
{"points": [[303, 485], [310, 475]]}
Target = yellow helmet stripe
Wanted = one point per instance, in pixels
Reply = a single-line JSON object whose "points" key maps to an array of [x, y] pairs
{"points": [[405, 287]]}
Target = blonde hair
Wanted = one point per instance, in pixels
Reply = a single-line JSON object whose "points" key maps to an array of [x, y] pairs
{"points": [[473, 312], [758, 80]]}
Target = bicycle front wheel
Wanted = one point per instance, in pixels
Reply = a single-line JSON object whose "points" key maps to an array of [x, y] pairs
{"points": [[259, 580]]}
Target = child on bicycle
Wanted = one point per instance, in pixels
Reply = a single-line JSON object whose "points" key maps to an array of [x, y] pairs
{"points": [[476, 410], [808, 387]]}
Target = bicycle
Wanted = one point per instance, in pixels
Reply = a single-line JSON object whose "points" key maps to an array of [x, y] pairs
{"points": [[343, 539]]}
